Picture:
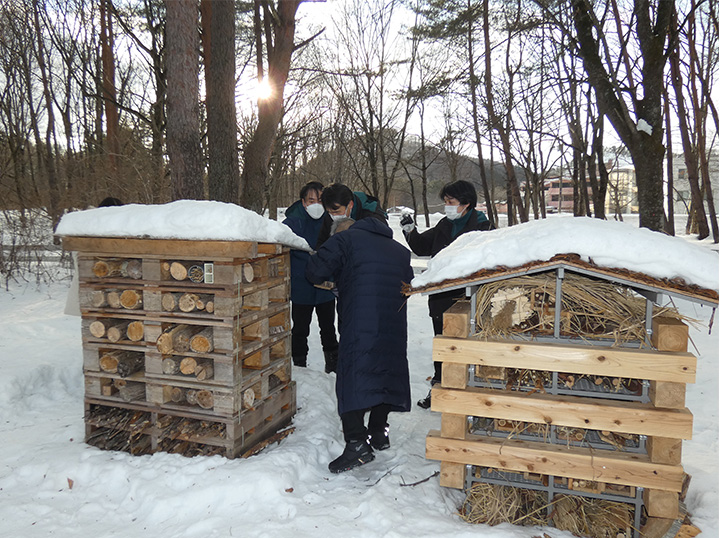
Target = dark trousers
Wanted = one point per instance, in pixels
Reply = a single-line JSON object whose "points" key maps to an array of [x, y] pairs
{"points": [[301, 318], [353, 422]]}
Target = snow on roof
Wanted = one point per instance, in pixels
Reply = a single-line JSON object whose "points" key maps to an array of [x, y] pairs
{"points": [[604, 243], [183, 219]]}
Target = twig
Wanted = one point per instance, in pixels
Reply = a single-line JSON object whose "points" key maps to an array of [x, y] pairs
{"points": [[436, 473]]}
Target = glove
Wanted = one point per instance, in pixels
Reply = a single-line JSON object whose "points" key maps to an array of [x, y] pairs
{"points": [[407, 223]]}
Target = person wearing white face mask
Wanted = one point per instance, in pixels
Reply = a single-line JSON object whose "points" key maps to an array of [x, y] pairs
{"points": [[305, 218], [460, 217], [341, 203]]}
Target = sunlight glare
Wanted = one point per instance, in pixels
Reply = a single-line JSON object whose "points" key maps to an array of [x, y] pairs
{"points": [[264, 91]]}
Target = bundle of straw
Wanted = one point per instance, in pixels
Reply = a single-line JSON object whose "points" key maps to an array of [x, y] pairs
{"points": [[591, 309]]}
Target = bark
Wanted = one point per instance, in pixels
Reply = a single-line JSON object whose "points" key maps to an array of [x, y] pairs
{"points": [[218, 19], [109, 92], [489, 205], [183, 109]]}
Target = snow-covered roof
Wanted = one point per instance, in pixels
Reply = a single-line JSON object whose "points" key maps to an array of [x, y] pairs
{"points": [[183, 219], [606, 244]]}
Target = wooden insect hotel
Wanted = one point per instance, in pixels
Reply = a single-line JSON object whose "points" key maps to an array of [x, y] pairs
{"points": [[186, 345], [563, 393]]}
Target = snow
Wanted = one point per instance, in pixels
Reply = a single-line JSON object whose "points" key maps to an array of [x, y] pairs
{"points": [[606, 243], [183, 219], [52, 484], [644, 127]]}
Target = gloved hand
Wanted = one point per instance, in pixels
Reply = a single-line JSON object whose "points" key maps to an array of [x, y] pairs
{"points": [[407, 223]]}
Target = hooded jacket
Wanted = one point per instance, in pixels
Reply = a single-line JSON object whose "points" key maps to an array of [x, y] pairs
{"points": [[369, 268], [302, 224]]}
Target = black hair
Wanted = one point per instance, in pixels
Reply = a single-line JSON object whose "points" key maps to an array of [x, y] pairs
{"points": [[110, 201], [336, 195], [463, 191], [311, 186]]}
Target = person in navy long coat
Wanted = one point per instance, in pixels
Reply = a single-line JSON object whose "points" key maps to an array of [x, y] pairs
{"points": [[305, 218], [369, 268]]}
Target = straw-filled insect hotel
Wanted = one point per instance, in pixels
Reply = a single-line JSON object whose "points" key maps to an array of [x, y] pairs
{"points": [[563, 398], [185, 344]]}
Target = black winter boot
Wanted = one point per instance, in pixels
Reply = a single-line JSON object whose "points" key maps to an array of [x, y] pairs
{"points": [[380, 440], [425, 402], [300, 361], [331, 358], [356, 453]]}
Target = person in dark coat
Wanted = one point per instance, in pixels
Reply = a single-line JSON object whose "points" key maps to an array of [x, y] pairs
{"points": [[304, 217], [369, 268], [460, 217], [342, 203]]}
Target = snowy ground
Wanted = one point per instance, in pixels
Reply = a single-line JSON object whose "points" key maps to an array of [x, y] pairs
{"points": [[52, 484]]}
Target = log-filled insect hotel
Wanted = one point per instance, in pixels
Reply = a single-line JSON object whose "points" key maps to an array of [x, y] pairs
{"points": [[185, 342], [563, 397]]}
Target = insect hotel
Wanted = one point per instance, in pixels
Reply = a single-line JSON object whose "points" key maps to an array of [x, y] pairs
{"points": [[185, 342], [563, 398]]}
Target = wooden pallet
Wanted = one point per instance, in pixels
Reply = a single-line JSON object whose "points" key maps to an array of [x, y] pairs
{"points": [[227, 302], [664, 421]]}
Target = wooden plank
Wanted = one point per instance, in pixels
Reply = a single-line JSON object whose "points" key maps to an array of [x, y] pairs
{"points": [[558, 460], [571, 411], [456, 320], [656, 527], [669, 334], [161, 247], [679, 367]]}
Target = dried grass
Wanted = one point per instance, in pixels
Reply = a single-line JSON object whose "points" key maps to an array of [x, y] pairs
{"points": [[591, 309], [492, 504]]}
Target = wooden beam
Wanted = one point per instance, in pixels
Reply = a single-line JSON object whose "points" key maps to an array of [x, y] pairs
{"points": [[661, 503], [669, 334], [679, 367], [667, 394], [571, 411], [452, 475], [664, 450], [573, 462], [181, 248], [454, 376], [456, 320], [453, 426]]}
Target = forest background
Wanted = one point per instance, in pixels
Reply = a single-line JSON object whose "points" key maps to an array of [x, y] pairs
{"points": [[152, 101]]}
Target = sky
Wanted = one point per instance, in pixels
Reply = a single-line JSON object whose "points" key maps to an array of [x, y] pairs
{"points": [[53, 484]]}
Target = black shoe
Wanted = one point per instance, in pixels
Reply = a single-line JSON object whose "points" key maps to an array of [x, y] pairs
{"points": [[379, 440], [300, 361], [356, 453], [331, 358], [425, 402]]}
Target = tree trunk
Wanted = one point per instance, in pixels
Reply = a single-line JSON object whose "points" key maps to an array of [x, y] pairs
{"points": [[256, 157], [183, 109], [218, 20]]}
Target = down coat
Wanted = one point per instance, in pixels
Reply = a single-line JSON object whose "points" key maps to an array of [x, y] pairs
{"points": [[302, 224], [369, 267]]}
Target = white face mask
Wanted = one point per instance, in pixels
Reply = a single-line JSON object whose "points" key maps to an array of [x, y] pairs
{"points": [[338, 218], [315, 210], [453, 211]]}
